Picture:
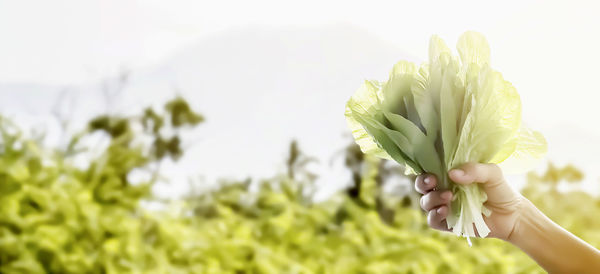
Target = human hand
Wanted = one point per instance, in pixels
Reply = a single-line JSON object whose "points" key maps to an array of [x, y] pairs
{"points": [[503, 201]]}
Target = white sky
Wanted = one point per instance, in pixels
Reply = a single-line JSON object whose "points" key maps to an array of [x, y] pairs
{"points": [[547, 49], [66, 41], [73, 41]]}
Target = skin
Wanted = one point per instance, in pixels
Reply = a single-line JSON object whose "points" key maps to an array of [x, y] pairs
{"points": [[514, 219]]}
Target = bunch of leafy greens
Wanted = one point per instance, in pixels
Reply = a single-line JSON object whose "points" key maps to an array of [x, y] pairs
{"points": [[445, 113]]}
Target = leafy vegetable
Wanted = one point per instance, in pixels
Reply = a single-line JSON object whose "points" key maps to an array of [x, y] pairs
{"points": [[445, 113]]}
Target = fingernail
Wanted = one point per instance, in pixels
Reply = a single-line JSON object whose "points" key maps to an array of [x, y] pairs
{"points": [[440, 210], [446, 195], [458, 172], [427, 180]]}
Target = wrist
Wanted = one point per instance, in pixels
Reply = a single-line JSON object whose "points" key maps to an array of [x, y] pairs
{"points": [[527, 224]]}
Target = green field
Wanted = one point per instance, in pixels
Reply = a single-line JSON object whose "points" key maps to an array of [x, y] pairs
{"points": [[56, 217]]}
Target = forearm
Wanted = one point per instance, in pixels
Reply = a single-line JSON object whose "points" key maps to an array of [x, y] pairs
{"points": [[551, 246]]}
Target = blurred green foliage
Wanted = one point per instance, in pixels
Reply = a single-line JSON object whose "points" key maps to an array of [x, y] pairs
{"points": [[56, 217]]}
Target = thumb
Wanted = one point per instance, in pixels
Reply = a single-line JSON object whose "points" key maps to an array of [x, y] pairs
{"points": [[488, 175], [469, 173]]}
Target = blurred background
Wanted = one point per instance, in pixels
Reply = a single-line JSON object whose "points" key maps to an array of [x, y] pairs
{"points": [[213, 135]]}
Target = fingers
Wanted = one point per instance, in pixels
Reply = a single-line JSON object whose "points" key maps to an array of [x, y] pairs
{"points": [[477, 173], [436, 203], [435, 199], [425, 183], [436, 218]]}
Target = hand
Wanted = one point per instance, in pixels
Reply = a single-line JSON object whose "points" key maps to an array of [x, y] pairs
{"points": [[514, 219], [503, 201]]}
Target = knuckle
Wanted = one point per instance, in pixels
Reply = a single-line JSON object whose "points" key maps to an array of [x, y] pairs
{"points": [[491, 172], [418, 188], [419, 183], [431, 219], [431, 201], [431, 180], [495, 170], [426, 184], [469, 166]]}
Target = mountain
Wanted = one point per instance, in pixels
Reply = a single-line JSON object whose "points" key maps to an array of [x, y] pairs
{"points": [[259, 88]]}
